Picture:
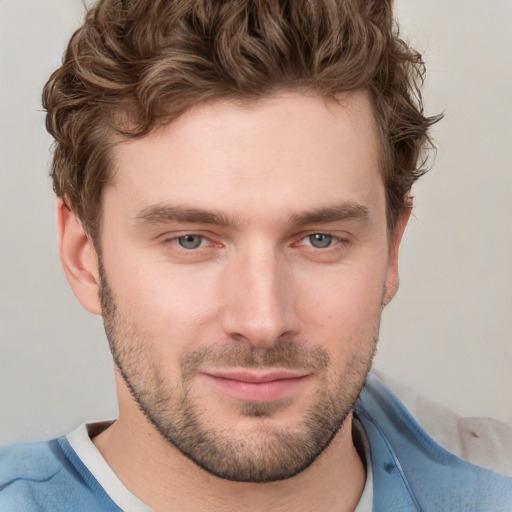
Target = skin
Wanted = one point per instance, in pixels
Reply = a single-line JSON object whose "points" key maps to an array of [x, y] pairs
{"points": [[255, 284]]}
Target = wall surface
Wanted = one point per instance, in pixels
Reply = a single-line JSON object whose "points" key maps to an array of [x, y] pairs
{"points": [[447, 333]]}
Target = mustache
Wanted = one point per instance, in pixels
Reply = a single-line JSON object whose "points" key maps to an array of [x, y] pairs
{"points": [[282, 354]]}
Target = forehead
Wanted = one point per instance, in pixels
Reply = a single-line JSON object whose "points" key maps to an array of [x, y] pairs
{"points": [[287, 151]]}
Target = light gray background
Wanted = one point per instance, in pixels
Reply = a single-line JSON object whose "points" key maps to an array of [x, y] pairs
{"points": [[447, 332]]}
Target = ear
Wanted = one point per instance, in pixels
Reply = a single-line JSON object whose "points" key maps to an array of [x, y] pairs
{"points": [[392, 277], [79, 259]]}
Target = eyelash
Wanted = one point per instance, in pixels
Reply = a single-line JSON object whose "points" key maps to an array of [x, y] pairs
{"points": [[205, 242], [334, 241], [201, 237]]}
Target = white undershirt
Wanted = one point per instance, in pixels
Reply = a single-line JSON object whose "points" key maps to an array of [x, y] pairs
{"points": [[93, 460], [365, 503], [81, 443]]}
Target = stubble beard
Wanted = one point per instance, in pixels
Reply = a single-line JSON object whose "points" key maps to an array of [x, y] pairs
{"points": [[266, 453]]}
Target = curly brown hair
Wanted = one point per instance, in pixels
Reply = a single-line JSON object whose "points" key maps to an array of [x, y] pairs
{"points": [[136, 64]]}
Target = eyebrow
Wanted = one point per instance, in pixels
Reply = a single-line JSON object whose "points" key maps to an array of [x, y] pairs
{"points": [[164, 213], [161, 214], [335, 213]]}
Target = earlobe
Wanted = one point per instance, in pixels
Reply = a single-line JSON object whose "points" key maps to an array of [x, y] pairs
{"points": [[79, 259], [392, 275]]}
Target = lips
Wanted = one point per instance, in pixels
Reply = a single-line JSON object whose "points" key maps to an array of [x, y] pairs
{"points": [[256, 385]]}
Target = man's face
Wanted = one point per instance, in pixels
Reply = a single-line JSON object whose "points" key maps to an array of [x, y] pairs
{"points": [[245, 263]]}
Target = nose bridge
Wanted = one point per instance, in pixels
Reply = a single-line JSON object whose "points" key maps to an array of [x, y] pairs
{"points": [[258, 305]]}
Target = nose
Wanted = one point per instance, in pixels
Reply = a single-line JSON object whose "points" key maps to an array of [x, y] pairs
{"points": [[258, 305]]}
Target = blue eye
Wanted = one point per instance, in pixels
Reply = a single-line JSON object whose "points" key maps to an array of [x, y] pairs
{"points": [[320, 240], [190, 241]]}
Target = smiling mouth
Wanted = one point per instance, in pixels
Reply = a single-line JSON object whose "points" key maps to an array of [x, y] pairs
{"points": [[256, 386]]}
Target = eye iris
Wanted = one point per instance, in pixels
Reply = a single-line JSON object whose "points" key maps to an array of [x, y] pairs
{"points": [[320, 241], [190, 241]]}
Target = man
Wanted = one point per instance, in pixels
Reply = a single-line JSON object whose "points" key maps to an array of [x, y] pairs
{"points": [[234, 181]]}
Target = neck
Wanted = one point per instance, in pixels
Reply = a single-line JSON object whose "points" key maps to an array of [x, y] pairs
{"points": [[158, 474]]}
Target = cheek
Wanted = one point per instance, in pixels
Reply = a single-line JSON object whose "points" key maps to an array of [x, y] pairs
{"points": [[167, 301], [342, 308], [345, 291]]}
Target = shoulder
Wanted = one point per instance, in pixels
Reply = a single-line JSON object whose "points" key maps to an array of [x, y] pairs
{"points": [[44, 477], [412, 469], [481, 441], [23, 468], [27, 461]]}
